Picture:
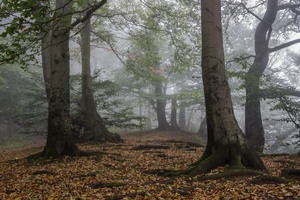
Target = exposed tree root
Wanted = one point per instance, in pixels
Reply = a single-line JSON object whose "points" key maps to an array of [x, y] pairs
{"points": [[291, 173], [230, 174], [76, 153], [205, 165], [106, 185], [166, 172], [147, 147], [269, 180]]}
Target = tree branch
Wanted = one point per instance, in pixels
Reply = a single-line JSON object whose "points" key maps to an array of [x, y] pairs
{"points": [[284, 45], [249, 11], [288, 6], [88, 13], [276, 93]]}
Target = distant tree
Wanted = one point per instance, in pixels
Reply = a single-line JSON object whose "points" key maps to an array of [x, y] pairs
{"points": [[144, 62], [226, 143], [174, 123]]}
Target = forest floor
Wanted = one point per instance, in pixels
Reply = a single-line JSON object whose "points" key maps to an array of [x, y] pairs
{"points": [[121, 171]]}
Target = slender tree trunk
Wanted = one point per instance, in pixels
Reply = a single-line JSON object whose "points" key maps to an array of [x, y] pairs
{"points": [[174, 124], [281, 138], [59, 139], [203, 128], [161, 107], [226, 143], [253, 119], [149, 116], [182, 120], [93, 122]]}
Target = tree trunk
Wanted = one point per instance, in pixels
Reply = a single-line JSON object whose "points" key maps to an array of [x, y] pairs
{"points": [[93, 122], [174, 124], [46, 58], [253, 120], [161, 107], [203, 128], [149, 116], [182, 121], [59, 140], [226, 143], [280, 138]]}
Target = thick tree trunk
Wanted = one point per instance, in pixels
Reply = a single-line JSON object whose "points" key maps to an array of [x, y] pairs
{"points": [[174, 124], [59, 140], [253, 120], [161, 107], [226, 143], [46, 59], [93, 122]]}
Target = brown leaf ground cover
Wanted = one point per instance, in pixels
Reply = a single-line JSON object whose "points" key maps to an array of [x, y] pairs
{"points": [[121, 171]]}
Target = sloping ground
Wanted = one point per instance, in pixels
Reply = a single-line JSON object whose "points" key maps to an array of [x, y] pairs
{"points": [[121, 171], [155, 135]]}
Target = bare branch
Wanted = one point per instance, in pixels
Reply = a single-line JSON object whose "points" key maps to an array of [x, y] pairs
{"points": [[288, 6], [284, 45], [249, 11]]}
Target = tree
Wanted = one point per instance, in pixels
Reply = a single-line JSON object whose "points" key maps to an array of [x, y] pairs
{"points": [[93, 123], [59, 140], [226, 143], [174, 114], [144, 62], [253, 119]]}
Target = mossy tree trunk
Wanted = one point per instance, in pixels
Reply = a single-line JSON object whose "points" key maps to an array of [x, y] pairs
{"points": [[226, 143], [59, 140], [92, 121]]}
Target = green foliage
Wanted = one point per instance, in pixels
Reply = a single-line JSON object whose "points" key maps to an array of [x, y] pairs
{"points": [[23, 98], [110, 104], [23, 22]]}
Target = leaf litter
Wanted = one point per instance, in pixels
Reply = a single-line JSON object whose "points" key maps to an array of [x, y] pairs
{"points": [[120, 173]]}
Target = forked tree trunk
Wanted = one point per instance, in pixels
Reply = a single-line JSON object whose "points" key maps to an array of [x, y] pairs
{"points": [[161, 107], [253, 119], [226, 143], [59, 140], [93, 122]]}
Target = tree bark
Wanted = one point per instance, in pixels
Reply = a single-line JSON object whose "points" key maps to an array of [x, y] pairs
{"points": [[253, 120], [93, 122], [46, 58], [161, 107], [182, 120], [59, 141], [203, 128], [226, 143], [174, 124]]}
